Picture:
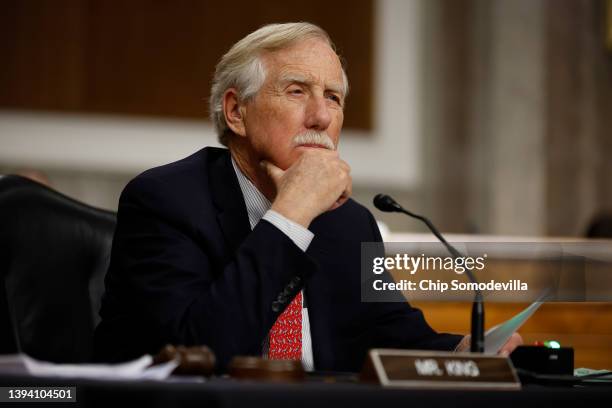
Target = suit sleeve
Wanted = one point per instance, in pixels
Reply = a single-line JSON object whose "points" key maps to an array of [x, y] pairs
{"points": [[164, 287], [399, 325]]}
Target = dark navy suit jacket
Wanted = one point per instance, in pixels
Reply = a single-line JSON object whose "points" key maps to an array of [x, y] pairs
{"points": [[187, 269]]}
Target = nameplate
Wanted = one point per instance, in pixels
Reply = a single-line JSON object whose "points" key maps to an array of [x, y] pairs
{"points": [[439, 369]]}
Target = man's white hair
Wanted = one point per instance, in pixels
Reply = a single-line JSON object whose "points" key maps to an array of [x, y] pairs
{"points": [[241, 67]]}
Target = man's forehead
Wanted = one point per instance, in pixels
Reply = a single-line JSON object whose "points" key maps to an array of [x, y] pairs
{"points": [[293, 74], [316, 70]]}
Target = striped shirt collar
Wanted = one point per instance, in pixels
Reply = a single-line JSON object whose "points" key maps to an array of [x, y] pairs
{"points": [[256, 203]]}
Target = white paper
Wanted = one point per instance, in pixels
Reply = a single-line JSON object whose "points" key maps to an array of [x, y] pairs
{"points": [[22, 364], [497, 336]]}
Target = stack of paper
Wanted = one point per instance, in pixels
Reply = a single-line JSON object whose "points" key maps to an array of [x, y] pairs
{"points": [[21, 364]]}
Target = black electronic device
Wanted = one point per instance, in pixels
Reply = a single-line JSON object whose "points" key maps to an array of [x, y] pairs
{"points": [[544, 360]]}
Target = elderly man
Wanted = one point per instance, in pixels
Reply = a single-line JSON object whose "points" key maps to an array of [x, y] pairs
{"points": [[254, 249]]}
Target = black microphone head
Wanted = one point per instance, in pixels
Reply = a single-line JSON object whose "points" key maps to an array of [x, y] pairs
{"points": [[385, 203]]}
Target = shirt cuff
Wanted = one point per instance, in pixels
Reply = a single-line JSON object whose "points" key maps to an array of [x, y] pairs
{"points": [[300, 236]]}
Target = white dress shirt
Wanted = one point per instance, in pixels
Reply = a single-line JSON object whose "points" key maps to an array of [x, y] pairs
{"points": [[258, 207]]}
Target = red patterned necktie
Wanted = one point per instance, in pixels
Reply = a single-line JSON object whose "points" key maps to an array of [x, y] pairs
{"points": [[286, 334]]}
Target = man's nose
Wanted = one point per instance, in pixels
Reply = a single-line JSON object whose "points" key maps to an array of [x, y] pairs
{"points": [[318, 115]]}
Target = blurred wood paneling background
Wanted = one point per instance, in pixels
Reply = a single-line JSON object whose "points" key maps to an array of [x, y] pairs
{"points": [[156, 57]]}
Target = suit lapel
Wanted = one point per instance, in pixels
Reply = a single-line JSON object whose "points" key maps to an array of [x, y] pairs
{"points": [[227, 197]]}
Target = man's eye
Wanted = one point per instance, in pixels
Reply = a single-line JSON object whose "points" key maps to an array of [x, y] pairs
{"points": [[334, 98], [296, 91]]}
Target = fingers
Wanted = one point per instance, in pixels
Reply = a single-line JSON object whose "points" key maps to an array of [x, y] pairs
{"points": [[338, 203], [513, 342], [348, 188], [273, 171], [464, 344], [317, 182], [345, 194]]}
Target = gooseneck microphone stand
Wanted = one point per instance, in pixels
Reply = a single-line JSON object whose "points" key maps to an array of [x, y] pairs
{"points": [[387, 204]]}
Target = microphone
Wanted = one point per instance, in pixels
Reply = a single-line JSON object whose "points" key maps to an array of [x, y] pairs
{"points": [[386, 203]]}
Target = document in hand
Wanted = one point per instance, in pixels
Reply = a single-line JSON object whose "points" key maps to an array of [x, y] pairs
{"points": [[497, 336]]}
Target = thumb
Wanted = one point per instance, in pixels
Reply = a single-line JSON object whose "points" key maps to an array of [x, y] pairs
{"points": [[274, 172]]}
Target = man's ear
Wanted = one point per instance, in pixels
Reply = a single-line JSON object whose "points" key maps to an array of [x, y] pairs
{"points": [[233, 112]]}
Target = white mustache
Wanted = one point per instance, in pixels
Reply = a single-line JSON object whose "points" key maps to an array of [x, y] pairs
{"points": [[314, 137]]}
